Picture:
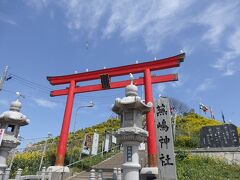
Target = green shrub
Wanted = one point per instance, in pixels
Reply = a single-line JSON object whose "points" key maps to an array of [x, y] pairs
{"points": [[202, 168]]}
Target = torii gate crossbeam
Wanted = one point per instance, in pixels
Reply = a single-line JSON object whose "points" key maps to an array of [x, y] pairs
{"points": [[147, 81]]}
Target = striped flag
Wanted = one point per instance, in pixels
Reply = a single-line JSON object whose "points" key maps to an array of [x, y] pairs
{"points": [[203, 107]]}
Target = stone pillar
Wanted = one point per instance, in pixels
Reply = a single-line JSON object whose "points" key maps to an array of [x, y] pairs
{"points": [[4, 152], [119, 174], [1, 175], [114, 176], [131, 158], [18, 175], [100, 175], [49, 171], [7, 174], [43, 173], [92, 175]]}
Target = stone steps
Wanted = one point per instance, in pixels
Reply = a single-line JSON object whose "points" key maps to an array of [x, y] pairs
{"points": [[117, 160], [108, 165], [85, 176]]}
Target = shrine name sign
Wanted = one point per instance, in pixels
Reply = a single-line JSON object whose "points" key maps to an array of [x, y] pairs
{"points": [[165, 147]]}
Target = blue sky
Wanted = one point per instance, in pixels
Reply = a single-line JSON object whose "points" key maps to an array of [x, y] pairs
{"points": [[40, 38]]}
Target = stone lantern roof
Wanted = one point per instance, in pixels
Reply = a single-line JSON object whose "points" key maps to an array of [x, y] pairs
{"points": [[132, 100], [14, 115]]}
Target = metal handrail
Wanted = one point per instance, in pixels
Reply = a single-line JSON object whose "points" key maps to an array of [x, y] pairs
{"points": [[115, 147]]}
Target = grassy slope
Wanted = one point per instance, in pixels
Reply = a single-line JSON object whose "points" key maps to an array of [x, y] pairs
{"points": [[203, 168]]}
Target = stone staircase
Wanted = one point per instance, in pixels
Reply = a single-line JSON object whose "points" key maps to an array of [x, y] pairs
{"points": [[85, 176], [117, 160], [107, 166]]}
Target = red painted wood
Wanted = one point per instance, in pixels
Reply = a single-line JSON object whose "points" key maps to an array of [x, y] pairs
{"points": [[152, 146], [118, 71], [114, 85], [62, 145]]}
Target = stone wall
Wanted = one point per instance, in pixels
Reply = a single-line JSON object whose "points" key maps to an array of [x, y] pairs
{"points": [[228, 154]]}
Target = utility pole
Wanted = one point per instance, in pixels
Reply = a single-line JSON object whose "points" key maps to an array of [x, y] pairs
{"points": [[4, 77], [44, 150]]}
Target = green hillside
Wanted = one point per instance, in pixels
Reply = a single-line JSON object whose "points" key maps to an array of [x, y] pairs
{"points": [[187, 136], [29, 160], [188, 129]]}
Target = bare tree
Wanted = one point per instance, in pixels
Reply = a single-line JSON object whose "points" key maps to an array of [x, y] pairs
{"points": [[178, 106]]}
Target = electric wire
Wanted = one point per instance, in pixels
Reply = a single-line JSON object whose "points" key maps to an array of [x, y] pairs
{"points": [[46, 90], [30, 82]]}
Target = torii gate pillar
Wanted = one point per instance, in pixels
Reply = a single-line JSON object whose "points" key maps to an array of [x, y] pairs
{"points": [[152, 147], [61, 151]]}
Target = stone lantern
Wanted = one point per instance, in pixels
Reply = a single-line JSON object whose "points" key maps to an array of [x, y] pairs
{"points": [[10, 122], [131, 109]]}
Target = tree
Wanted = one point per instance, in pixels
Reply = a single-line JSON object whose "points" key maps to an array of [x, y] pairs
{"points": [[178, 106]]}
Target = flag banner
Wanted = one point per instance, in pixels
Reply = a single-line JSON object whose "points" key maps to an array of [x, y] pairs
{"points": [[107, 141], [203, 107], [114, 139], [95, 144], [87, 144], [1, 135]]}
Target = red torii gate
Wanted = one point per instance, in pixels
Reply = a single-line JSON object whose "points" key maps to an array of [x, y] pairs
{"points": [[147, 81]]}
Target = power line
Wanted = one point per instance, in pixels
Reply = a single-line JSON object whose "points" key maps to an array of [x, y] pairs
{"points": [[31, 82], [41, 88], [32, 85]]}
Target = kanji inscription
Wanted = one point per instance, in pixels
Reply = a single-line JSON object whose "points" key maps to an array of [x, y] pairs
{"points": [[166, 158]]}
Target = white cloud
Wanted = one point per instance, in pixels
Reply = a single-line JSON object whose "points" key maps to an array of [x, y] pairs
{"points": [[38, 4], [229, 62], [156, 22], [223, 31], [219, 16], [84, 15], [6, 19], [206, 85], [45, 103]]}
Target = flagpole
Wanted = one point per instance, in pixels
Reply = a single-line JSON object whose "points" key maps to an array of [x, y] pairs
{"points": [[223, 118]]}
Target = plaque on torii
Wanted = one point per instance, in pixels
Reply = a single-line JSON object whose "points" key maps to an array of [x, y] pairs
{"points": [[104, 75]]}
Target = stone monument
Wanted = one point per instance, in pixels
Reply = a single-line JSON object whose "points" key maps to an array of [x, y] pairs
{"points": [[130, 135], [166, 163], [225, 135], [10, 123]]}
